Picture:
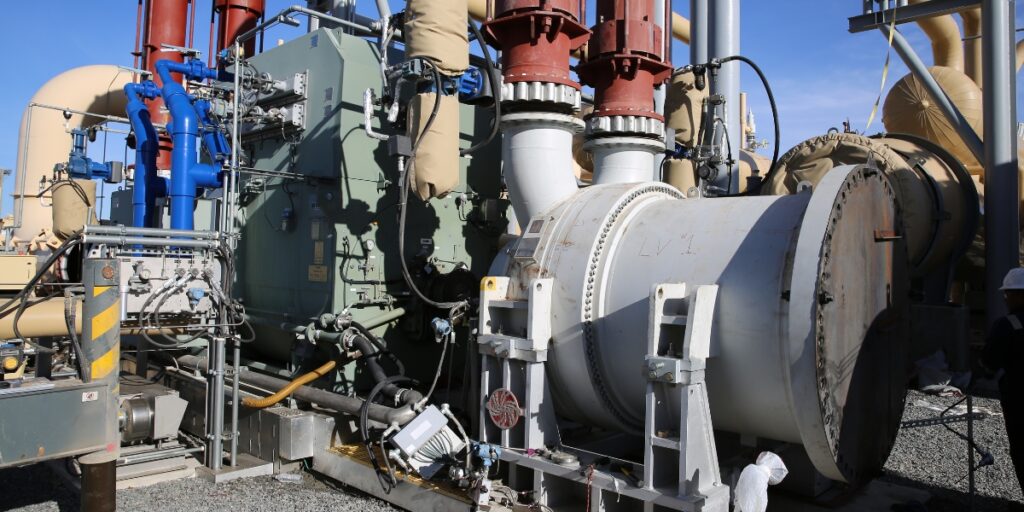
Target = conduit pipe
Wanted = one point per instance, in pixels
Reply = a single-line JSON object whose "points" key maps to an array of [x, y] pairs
{"points": [[627, 60], [680, 25], [166, 23], [43, 139], [148, 185], [537, 154], [45, 317], [943, 32], [972, 44], [187, 173], [235, 17], [536, 38]]}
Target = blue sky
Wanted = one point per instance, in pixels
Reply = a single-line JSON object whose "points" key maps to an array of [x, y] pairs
{"points": [[820, 73]]}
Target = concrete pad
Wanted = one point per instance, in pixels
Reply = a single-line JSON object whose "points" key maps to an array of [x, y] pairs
{"points": [[248, 466]]}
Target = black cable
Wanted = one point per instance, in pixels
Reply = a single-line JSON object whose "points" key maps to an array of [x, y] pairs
{"points": [[775, 114], [492, 77], [382, 348], [364, 431], [404, 199]]}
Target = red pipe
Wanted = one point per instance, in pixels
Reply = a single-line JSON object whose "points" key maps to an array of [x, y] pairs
{"points": [[536, 38], [166, 22], [626, 59], [235, 18]]}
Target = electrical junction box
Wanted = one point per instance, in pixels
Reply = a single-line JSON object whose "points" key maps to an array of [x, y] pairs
{"points": [[16, 271], [420, 430]]}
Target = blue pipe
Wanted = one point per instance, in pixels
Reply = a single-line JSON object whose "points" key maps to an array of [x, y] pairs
{"points": [[187, 173], [148, 185]]}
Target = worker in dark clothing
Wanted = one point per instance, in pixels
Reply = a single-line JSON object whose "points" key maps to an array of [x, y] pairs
{"points": [[1004, 355]]}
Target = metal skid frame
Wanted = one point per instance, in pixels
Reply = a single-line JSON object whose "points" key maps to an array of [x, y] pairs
{"points": [[680, 470]]}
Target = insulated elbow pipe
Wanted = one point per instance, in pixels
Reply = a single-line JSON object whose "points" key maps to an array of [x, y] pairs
{"points": [[187, 173], [148, 185], [944, 33]]}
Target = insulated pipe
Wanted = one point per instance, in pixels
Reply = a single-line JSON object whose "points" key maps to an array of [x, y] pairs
{"points": [[236, 17], [537, 154], [186, 172], [43, 140], [41, 318], [972, 44], [166, 22], [943, 32], [148, 186]]}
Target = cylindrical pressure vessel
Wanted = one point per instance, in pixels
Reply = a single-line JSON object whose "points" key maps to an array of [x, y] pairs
{"points": [[807, 336]]}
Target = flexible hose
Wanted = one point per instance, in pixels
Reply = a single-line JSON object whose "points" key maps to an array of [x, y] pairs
{"points": [[775, 113], [263, 403]]}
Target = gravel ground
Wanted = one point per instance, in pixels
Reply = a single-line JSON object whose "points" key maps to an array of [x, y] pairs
{"points": [[929, 458], [934, 459], [37, 489]]}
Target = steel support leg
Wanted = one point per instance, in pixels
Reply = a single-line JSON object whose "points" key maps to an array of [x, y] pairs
{"points": [[1002, 224]]}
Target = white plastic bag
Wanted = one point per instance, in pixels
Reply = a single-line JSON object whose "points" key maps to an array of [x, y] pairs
{"points": [[751, 494]]}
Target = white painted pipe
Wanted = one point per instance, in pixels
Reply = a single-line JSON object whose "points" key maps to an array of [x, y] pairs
{"points": [[624, 159], [537, 154]]}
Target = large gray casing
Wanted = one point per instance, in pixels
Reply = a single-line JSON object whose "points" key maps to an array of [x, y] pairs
{"points": [[808, 330]]}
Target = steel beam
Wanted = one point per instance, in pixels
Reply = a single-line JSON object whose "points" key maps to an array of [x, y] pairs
{"points": [[1002, 224], [907, 13], [953, 115]]}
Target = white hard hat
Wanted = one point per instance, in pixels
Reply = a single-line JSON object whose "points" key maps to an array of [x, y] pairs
{"points": [[1014, 279]]}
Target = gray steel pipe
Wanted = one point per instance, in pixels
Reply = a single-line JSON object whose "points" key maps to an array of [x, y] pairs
{"points": [[537, 154], [918, 68], [151, 232], [724, 41], [149, 242], [1002, 229]]}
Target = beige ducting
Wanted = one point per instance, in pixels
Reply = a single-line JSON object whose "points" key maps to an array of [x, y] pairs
{"points": [[1020, 54], [437, 31], [42, 317], [44, 139], [936, 199], [972, 44], [909, 108], [435, 170], [944, 33]]}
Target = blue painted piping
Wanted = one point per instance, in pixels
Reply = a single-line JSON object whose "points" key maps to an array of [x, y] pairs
{"points": [[148, 185]]}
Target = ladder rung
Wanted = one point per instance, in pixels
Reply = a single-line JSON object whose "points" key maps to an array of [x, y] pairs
{"points": [[674, 320], [671, 443], [508, 304]]}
